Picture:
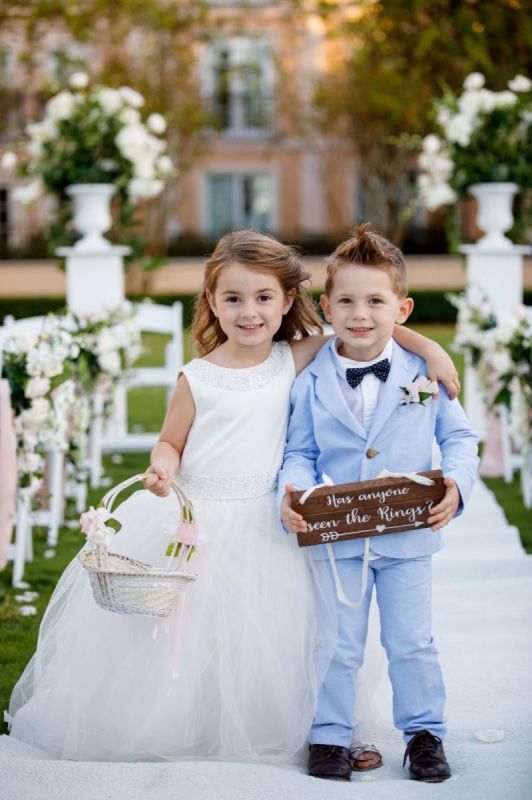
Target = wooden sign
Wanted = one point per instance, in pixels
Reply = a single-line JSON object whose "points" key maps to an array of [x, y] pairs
{"points": [[370, 508]]}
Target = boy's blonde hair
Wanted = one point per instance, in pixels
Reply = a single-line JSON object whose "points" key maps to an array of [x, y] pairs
{"points": [[262, 253], [367, 248]]}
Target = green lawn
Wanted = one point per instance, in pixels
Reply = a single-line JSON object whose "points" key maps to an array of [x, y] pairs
{"points": [[146, 408]]}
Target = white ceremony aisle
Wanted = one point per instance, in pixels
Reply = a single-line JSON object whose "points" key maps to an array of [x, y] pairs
{"points": [[482, 622]]}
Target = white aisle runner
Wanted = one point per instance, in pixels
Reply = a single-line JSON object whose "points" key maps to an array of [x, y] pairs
{"points": [[483, 627]]}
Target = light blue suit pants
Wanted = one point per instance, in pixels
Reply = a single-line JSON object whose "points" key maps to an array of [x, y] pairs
{"points": [[403, 589]]}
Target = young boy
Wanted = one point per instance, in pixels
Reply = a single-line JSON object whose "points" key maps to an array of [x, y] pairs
{"points": [[349, 421]]}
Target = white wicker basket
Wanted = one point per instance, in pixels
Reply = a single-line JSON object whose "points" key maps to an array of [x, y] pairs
{"points": [[127, 586]]}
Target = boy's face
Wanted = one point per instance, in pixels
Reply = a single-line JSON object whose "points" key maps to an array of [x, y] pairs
{"points": [[363, 309]]}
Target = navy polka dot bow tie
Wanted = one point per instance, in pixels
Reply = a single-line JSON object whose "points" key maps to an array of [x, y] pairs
{"points": [[354, 375]]}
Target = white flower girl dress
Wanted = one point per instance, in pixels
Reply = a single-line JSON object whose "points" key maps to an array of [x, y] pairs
{"points": [[100, 686]]}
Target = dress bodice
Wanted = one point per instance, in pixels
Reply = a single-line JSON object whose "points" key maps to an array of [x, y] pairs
{"points": [[235, 446]]}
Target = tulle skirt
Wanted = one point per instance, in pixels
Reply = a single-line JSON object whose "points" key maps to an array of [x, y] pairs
{"points": [[100, 685]]}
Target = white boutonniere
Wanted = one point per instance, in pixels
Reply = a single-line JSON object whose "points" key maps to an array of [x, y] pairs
{"points": [[419, 391]]}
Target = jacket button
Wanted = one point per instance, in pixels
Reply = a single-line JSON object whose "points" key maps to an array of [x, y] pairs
{"points": [[371, 453]]}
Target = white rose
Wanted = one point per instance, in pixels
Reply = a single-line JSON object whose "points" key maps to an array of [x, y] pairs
{"points": [[129, 116], [431, 144], [131, 97], [501, 362], [109, 361], [60, 107], [37, 387], [505, 331], [9, 160], [165, 165], [459, 129], [38, 413], [144, 168], [79, 80], [520, 84], [475, 80], [505, 99], [23, 343], [139, 188], [109, 99], [156, 123], [488, 100], [434, 195], [106, 340], [131, 140]]}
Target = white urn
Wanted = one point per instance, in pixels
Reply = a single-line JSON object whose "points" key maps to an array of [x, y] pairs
{"points": [[92, 215], [494, 213]]}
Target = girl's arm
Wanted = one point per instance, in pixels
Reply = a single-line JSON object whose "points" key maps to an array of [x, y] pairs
{"points": [[305, 349], [440, 366], [166, 455]]}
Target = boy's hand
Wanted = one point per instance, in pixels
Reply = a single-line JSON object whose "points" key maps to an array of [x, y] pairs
{"points": [[443, 513], [293, 521], [157, 480]]}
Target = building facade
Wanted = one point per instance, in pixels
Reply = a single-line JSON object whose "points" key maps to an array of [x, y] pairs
{"points": [[263, 162]]}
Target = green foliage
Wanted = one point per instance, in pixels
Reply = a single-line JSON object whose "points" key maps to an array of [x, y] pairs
{"points": [[401, 54]]}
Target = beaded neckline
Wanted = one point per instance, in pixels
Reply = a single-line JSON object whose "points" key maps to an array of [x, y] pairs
{"points": [[243, 378]]}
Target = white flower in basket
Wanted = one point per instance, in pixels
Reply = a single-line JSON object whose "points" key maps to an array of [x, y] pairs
{"points": [[127, 586]]}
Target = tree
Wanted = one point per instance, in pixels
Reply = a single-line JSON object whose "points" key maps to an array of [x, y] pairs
{"points": [[148, 44], [398, 56]]}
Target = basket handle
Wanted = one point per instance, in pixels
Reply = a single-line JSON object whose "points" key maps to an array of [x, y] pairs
{"points": [[109, 498]]}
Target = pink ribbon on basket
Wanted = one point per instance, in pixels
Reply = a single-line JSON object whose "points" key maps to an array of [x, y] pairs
{"points": [[187, 535]]}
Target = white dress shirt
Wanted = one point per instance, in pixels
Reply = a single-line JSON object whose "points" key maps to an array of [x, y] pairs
{"points": [[361, 401]]}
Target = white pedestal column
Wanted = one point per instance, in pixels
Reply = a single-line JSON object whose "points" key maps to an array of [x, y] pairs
{"points": [[500, 274], [95, 281]]}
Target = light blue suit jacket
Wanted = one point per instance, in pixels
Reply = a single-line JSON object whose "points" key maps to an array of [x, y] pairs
{"points": [[324, 436]]}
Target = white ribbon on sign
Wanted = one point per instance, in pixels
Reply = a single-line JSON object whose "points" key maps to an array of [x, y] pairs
{"points": [[412, 476], [340, 594]]}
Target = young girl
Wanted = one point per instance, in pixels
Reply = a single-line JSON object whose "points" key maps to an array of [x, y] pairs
{"points": [[100, 686]]}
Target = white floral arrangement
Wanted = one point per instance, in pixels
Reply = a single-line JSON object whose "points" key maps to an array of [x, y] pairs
{"points": [[501, 353], [39, 372], [475, 318], [483, 137], [94, 134], [109, 343], [52, 377]]}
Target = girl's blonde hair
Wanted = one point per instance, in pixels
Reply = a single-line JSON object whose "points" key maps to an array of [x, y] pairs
{"points": [[265, 254]]}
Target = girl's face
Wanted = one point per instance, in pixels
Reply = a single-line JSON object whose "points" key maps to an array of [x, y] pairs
{"points": [[249, 305]]}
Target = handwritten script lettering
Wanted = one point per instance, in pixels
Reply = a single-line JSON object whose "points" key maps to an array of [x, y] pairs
{"points": [[317, 526], [382, 495]]}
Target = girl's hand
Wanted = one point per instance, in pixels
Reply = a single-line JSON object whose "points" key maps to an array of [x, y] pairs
{"points": [[157, 480], [440, 367]]}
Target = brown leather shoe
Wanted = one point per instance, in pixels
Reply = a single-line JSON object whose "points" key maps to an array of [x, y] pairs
{"points": [[427, 758], [329, 761]]}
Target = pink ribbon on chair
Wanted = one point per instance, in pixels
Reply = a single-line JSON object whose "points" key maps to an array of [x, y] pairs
{"points": [[8, 471]]}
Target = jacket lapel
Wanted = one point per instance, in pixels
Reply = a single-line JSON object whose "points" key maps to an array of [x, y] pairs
{"points": [[329, 393], [402, 371]]}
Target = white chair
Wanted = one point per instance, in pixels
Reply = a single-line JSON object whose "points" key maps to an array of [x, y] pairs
{"points": [[516, 455], [114, 437], [52, 517]]}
